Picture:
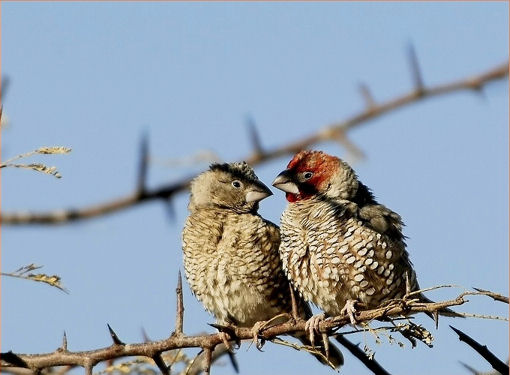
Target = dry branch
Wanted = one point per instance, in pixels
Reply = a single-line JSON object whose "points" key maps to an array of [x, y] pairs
{"points": [[355, 350], [494, 296], [208, 342], [495, 362], [334, 132], [25, 272]]}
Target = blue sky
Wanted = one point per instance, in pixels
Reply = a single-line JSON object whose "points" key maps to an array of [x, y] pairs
{"points": [[93, 76]]}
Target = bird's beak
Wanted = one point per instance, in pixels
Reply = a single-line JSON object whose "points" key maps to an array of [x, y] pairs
{"points": [[257, 193], [284, 182]]}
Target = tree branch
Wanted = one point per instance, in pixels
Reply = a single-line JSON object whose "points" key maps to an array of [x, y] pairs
{"points": [[334, 132], [495, 362], [494, 296], [152, 349], [370, 363]]}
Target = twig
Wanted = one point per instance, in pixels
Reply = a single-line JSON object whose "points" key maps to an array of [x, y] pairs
{"points": [[198, 363], [295, 313], [355, 350], [208, 361], [142, 166], [307, 348], [25, 273], [254, 137], [158, 360], [258, 156], [180, 307], [494, 296], [494, 361], [415, 70]]}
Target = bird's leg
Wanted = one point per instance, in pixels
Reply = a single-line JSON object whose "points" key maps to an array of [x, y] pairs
{"points": [[350, 309], [224, 337], [312, 326], [258, 327], [226, 332]]}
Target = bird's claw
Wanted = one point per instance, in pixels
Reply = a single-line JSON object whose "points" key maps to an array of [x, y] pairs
{"points": [[258, 327], [312, 326], [227, 333], [350, 309], [256, 330]]}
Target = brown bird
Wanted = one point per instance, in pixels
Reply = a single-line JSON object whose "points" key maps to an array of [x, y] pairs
{"points": [[231, 253], [340, 248]]}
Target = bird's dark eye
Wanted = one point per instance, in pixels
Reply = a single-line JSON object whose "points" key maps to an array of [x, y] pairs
{"points": [[236, 184], [308, 175]]}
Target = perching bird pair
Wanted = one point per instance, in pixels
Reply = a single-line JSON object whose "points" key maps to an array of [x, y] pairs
{"points": [[336, 245]]}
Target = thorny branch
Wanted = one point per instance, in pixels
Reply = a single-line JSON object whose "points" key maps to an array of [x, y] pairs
{"points": [[334, 132], [11, 362], [495, 362], [371, 363]]}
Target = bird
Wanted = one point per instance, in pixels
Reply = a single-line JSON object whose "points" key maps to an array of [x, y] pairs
{"points": [[340, 248], [231, 257]]}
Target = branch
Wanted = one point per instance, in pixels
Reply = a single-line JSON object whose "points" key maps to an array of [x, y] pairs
{"points": [[370, 363], [494, 296], [210, 343], [25, 272], [334, 132], [152, 349], [495, 362], [180, 307]]}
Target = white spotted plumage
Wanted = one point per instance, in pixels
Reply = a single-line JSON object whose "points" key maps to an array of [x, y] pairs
{"points": [[343, 264], [231, 254]]}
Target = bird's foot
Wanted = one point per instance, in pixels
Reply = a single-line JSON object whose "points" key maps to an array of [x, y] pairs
{"points": [[258, 327], [350, 309], [227, 334], [224, 337], [312, 326]]}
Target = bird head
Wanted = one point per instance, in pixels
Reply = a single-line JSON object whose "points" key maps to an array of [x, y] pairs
{"points": [[313, 173], [232, 186]]}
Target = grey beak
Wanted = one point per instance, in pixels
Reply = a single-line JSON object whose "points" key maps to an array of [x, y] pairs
{"points": [[259, 192], [284, 182]]}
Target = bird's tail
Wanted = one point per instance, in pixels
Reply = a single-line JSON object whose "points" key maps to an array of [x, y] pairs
{"points": [[334, 357]]}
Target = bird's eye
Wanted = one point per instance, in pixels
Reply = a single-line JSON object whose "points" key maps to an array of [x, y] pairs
{"points": [[236, 184], [308, 175]]}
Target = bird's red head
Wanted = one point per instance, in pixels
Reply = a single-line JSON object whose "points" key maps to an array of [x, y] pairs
{"points": [[307, 174]]}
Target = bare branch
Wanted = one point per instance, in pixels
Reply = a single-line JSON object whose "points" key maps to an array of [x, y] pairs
{"points": [[158, 360], [25, 273], [88, 368], [355, 350], [494, 296], [199, 362], [89, 359], [295, 314], [180, 307], [329, 133], [208, 361], [495, 362]]}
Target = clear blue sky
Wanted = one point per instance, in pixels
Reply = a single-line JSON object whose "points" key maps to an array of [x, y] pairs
{"points": [[92, 76]]}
